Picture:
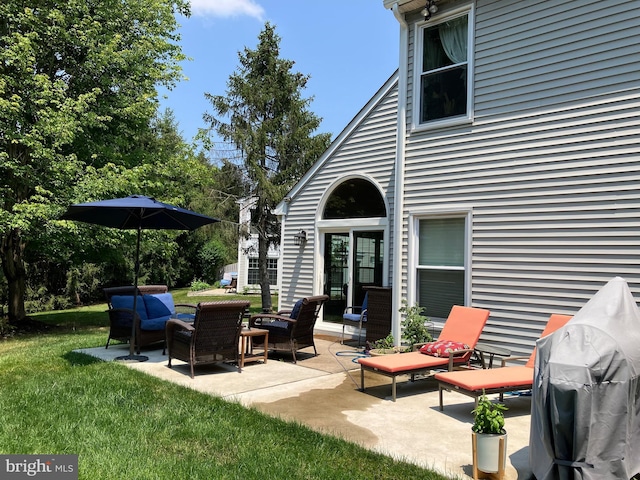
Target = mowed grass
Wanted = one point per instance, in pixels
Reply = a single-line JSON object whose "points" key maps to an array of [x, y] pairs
{"points": [[125, 424]]}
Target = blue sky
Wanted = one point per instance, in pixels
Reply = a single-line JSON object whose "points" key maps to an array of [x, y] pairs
{"points": [[348, 47]]}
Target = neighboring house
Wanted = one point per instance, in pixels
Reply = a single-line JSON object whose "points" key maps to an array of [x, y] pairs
{"points": [[498, 168], [248, 275]]}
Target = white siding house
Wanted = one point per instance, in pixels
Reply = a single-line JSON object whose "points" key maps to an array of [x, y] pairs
{"points": [[511, 133], [364, 151], [248, 279]]}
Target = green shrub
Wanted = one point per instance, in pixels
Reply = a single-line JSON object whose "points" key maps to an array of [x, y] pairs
{"points": [[41, 300], [199, 285], [211, 259], [414, 330]]}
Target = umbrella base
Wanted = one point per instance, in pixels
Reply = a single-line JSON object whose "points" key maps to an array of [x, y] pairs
{"points": [[131, 358]]}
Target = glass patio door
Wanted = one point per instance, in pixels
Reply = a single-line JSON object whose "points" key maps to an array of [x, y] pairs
{"points": [[367, 263], [336, 275], [347, 270]]}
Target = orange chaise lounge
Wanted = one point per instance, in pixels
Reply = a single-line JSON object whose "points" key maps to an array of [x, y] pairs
{"points": [[464, 325], [496, 380]]}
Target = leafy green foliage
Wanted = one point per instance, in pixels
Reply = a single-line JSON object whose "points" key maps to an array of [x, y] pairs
{"points": [[414, 329], [384, 343], [212, 256], [199, 285], [77, 89], [489, 416], [173, 174]]}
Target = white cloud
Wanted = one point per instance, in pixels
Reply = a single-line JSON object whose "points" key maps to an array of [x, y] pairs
{"points": [[227, 8]]}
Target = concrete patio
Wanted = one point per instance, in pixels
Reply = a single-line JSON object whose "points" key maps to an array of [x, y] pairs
{"points": [[322, 393]]}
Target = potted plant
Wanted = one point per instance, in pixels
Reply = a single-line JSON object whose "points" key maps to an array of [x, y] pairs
{"points": [[384, 346], [489, 437], [414, 325]]}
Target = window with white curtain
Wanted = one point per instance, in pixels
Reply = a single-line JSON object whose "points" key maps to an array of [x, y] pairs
{"points": [[444, 73], [441, 270]]}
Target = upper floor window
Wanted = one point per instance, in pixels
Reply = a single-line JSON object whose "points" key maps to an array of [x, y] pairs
{"points": [[444, 73]]}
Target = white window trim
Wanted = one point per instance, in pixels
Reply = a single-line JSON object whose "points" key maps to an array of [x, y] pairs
{"points": [[416, 126], [414, 244], [331, 227], [271, 260]]}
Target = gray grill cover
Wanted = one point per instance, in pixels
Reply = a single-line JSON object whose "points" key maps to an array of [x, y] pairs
{"points": [[585, 413]]}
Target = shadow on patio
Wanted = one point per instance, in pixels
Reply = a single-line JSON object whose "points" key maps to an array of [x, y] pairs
{"points": [[322, 393]]}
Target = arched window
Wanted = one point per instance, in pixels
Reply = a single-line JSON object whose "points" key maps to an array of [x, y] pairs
{"points": [[355, 198]]}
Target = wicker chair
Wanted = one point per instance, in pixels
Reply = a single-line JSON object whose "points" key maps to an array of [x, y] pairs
{"points": [[120, 318], [379, 313], [212, 338], [293, 332]]}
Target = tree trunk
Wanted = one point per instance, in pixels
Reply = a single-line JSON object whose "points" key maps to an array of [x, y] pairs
{"points": [[12, 251], [263, 250], [265, 284]]}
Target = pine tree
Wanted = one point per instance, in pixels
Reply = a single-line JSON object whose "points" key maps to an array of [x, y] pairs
{"points": [[268, 122]]}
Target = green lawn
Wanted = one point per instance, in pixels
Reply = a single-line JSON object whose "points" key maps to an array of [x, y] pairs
{"points": [[125, 424]]}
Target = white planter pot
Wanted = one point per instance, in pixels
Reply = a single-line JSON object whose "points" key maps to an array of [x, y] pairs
{"points": [[488, 452]]}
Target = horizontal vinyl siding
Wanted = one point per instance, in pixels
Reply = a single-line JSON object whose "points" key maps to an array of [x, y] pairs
{"points": [[551, 164], [531, 55], [411, 65], [369, 150]]}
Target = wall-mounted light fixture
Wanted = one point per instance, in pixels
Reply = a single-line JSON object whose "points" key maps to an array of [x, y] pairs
{"points": [[429, 9], [300, 238]]}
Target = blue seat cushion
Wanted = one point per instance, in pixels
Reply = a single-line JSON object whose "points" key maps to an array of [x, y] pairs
{"points": [[353, 317], [279, 324], [276, 327], [154, 323], [126, 301], [159, 305]]}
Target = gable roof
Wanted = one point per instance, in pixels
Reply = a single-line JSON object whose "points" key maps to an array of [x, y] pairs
{"points": [[340, 139]]}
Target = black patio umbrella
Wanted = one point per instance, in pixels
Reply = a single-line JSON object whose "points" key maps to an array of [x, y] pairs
{"points": [[136, 212]]}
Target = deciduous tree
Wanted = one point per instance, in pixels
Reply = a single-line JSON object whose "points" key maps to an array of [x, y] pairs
{"points": [[78, 85]]}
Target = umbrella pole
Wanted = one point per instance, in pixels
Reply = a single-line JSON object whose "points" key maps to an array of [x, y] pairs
{"points": [[136, 269]]}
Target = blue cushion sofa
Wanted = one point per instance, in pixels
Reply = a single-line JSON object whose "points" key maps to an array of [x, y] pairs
{"points": [[154, 306]]}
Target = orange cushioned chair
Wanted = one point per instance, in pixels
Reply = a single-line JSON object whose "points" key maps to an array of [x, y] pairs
{"points": [[463, 325], [497, 380]]}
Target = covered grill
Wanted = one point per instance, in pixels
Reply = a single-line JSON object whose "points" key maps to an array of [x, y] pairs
{"points": [[585, 412]]}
